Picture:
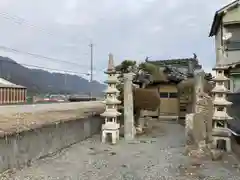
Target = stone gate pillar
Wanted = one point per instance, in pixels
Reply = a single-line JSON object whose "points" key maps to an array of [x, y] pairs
{"points": [[198, 88], [129, 128]]}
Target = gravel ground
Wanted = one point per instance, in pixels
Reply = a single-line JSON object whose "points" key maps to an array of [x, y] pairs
{"points": [[157, 155]]}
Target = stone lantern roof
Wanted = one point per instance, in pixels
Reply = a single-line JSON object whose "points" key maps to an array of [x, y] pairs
{"points": [[111, 68]]}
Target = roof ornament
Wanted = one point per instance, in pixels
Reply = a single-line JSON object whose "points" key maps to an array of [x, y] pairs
{"points": [[194, 56], [147, 58]]}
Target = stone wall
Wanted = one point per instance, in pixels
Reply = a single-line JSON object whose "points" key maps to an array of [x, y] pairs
{"points": [[21, 149]]}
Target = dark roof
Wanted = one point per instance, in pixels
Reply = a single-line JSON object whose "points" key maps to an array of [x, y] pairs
{"points": [[178, 62], [181, 61], [218, 17], [188, 83], [159, 75]]}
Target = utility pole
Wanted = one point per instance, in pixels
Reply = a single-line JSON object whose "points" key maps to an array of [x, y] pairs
{"points": [[91, 69]]}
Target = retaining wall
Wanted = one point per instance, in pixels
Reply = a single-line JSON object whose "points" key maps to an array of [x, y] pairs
{"points": [[21, 149]]}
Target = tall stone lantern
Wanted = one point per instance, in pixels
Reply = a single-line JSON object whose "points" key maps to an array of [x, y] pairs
{"points": [[221, 135], [111, 125]]}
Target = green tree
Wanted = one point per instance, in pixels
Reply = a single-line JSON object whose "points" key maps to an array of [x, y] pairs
{"points": [[127, 66]]}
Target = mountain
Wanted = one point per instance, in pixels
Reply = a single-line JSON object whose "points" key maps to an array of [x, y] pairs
{"points": [[40, 81]]}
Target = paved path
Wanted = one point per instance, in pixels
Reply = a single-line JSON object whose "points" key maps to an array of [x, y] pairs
{"points": [[155, 156]]}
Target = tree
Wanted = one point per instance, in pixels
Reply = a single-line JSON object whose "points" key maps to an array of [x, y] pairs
{"points": [[127, 66]]}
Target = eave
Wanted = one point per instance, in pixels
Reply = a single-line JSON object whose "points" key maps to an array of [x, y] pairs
{"points": [[218, 17]]}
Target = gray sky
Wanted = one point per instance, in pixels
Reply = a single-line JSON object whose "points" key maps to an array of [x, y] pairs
{"points": [[130, 29]]}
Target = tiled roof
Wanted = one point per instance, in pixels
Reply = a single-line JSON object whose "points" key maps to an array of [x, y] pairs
{"points": [[178, 62], [188, 83], [159, 75]]}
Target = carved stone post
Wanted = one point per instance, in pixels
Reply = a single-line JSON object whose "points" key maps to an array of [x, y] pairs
{"points": [[198, 87], [129, 128]]}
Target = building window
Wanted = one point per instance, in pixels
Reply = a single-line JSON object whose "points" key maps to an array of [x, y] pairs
{"points": [[233, 45], [163, 95], [168, 95], [173, 95]]}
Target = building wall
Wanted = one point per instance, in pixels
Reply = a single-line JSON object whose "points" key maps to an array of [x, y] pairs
{"points": [[169, 100], [218, 43], [233, 56], [235, 82], [232, 15], [169, 104]]}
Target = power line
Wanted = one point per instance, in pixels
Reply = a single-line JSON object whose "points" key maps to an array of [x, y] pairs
{"points": [[21, 21], [41, 67], [4, 48]]}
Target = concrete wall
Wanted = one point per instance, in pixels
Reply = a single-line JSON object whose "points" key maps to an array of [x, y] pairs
{"points": [[21, 149], [34, 108]]}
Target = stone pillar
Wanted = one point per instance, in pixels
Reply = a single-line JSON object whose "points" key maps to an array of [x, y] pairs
{"points": [[129, 128], [198, 87]]}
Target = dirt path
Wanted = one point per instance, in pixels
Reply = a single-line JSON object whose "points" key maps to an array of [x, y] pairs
{"points": [[157, 155]]}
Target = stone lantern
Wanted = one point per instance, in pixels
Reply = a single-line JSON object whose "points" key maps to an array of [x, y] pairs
{"points": [[220, 132], [111, 125]]}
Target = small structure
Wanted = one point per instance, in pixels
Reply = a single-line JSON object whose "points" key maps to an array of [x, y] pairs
{"points": [[111, 125], [220, 132], [164, 78], [11, 93], [164, 84]]}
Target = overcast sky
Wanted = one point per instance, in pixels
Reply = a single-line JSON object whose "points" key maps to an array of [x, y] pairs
{"points": [[130, 29]]}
